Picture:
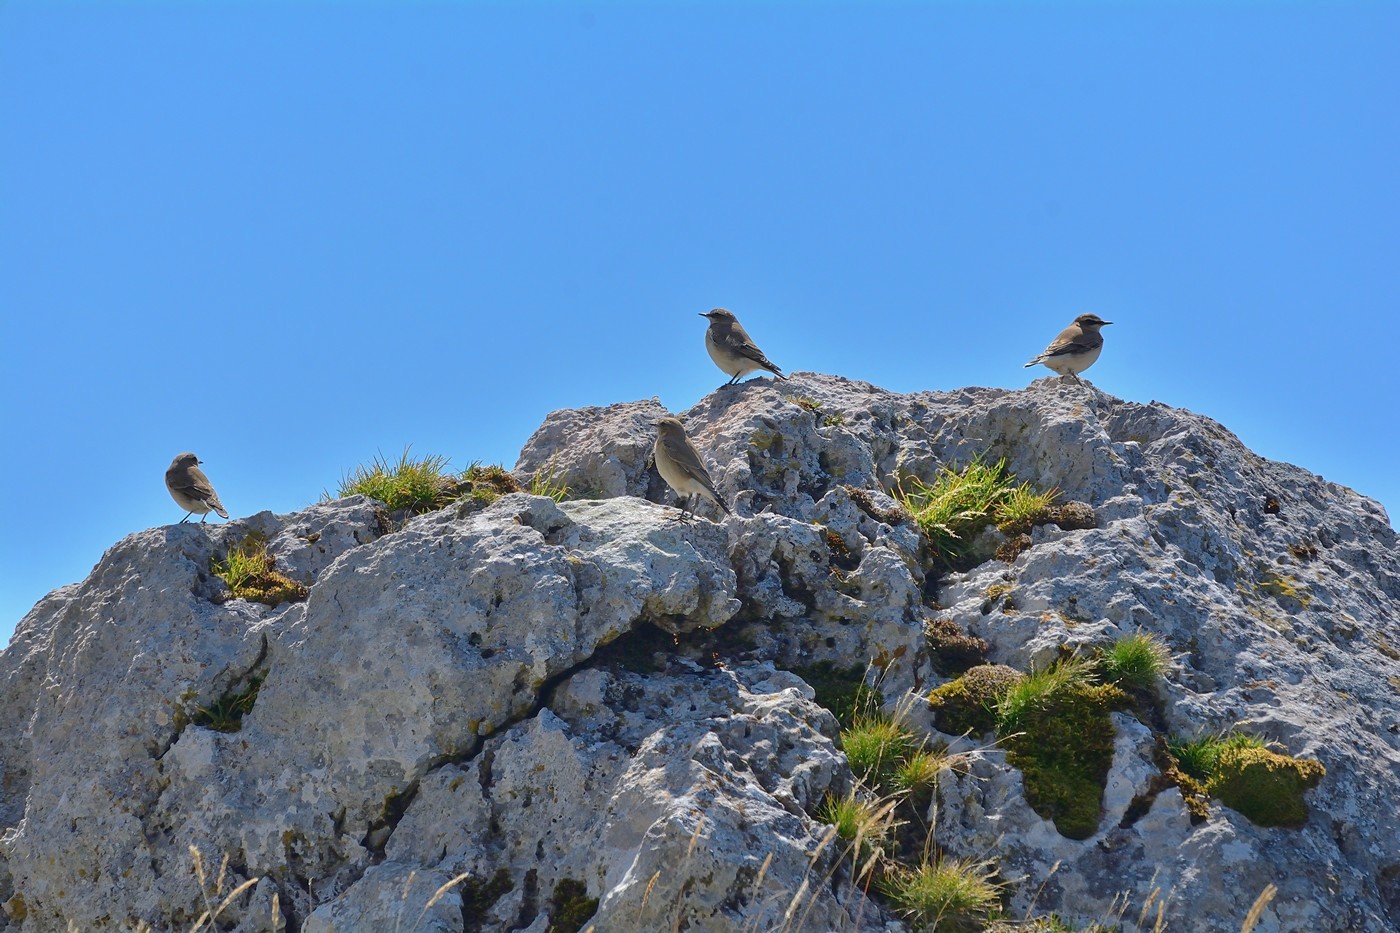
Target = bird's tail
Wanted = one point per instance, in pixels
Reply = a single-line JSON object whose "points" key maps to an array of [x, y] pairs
{"points": [[1033, 362]]}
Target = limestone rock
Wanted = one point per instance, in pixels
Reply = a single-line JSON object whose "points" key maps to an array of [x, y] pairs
{"points": [[535, 713]]}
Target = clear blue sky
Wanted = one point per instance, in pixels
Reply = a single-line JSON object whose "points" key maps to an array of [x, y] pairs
{"points": [[288, 236]]}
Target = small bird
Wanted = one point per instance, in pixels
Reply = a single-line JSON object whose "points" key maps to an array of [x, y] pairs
{"points": [[1076, 349], [191, 489], [681, 467], [732, 349]]}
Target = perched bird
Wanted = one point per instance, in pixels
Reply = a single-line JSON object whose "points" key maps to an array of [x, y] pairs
{"points": [[191, 489], [1077, 347], [681, 467], [731, 348]]}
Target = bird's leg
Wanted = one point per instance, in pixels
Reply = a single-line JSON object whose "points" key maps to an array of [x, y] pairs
{"points": [[1076, 379], [185, 519], [204, 519]]}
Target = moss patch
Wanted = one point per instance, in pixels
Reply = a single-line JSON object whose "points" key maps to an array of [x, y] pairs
{"points": [[488, 483], [1265, 786], [570, 907], [841, 689], [251, 574], [968, 704], [951, 649], [1064, 752], [479, 896]]}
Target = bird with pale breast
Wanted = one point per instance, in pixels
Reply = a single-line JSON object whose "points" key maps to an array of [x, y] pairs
{"points": [[191, 489], [733, 351], [1076, 349], [680, 466]]}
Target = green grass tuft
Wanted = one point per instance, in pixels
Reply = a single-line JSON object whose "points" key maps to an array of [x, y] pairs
{"points": [[959, 503], [1199, 755], [250, 573], [946, 894], [548, 484], [415, 485], [876, 745], [1037, 689], [1136, 660], [1022, 508], [226, 713], [865, 823]]}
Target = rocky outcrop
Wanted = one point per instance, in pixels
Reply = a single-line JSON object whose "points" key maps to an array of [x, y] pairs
{"points": [[538, 715]]}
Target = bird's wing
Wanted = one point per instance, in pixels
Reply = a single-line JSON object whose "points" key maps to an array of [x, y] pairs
{"points": [[688, 461], [1072, 340], [739, 341], [194, 484]]}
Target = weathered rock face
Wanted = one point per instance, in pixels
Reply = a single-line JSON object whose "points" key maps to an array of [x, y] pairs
{"points": [[587, 713]]}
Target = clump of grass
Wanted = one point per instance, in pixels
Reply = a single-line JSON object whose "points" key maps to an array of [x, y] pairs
{"points": [[251, 574], [919, 770], [944, 894], [1022, 508], [414, 485], [876, 745], [548, 484], [865, 822], [226, 713], [1199, 755], [959, 503], [834, 420], [808, 404], [1136, 660], [1036, 689], [486, 484]]}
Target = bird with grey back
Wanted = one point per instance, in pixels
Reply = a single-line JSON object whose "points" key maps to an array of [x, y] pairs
{"points": [[680, 466], [191, 489], [1076, 349], [733, 351]]}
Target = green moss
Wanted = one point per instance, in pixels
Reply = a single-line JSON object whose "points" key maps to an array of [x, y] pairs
{"points": [[251, 573], [1282, 586], [1064, 751], [570, 907], [488, 483], [968, 704], [1265, 786], [479, 896], [841, 689]]}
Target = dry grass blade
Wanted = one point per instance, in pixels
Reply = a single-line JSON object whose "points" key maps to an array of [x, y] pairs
{"points": [[437, 896], [1257, 910], [646, 895]]}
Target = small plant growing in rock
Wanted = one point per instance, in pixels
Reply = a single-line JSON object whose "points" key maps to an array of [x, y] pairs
{"points": [[959, 503], [413, 485], [919, 770], [1022, 508], [250, 573], [944, 894], [876, 744], [1199, 755], [488, 483], [226, 713], [834, 420], [548, 484], [865, 822], [1136, 660], [1037, 688]]}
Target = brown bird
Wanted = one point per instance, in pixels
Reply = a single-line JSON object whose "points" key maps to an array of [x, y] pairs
{"points": [[191, 489], [732, 349], [1076, 349], [680, 466]]}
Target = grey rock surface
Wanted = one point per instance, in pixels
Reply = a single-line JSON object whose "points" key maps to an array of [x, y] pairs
{"points": [[501, 718]]}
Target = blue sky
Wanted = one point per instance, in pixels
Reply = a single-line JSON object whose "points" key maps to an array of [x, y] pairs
{"points": [[289, 236]]}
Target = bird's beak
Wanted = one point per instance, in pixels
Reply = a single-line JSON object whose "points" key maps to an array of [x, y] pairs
{"points": [[704, 314], [1107, 322]]}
